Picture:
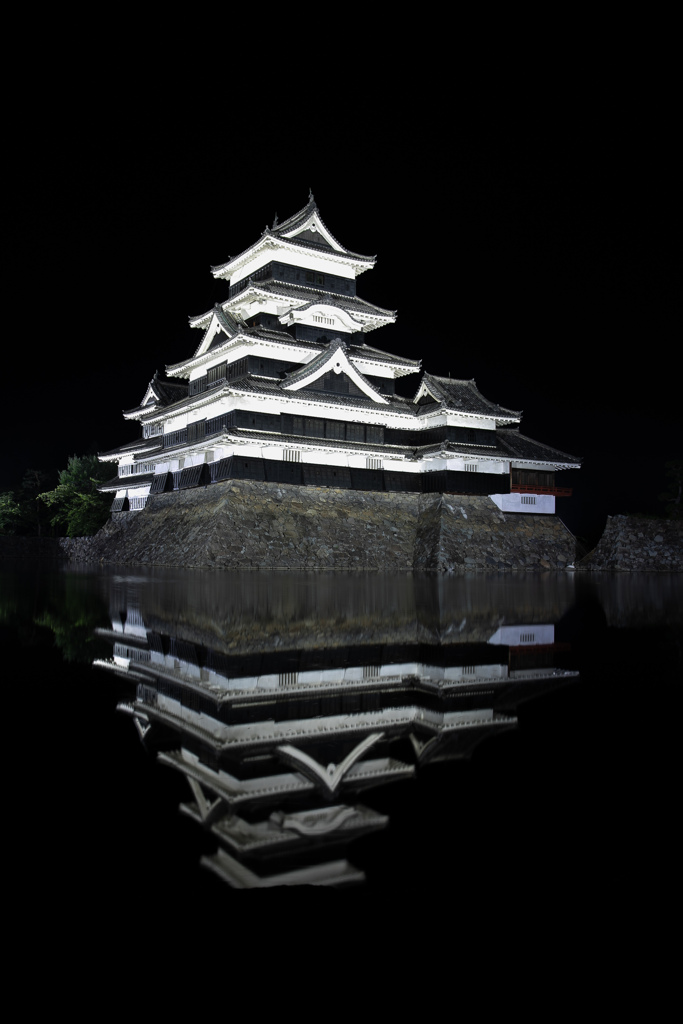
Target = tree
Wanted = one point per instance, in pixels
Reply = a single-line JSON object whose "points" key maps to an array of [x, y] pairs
{"points": [[75, 502], [10, 513]]}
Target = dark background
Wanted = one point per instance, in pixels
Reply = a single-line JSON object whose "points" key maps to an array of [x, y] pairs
{"points": [[531, 246]]}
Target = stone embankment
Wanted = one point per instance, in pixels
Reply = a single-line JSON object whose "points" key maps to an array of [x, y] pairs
{"points": [[632, 544], [252, 525]]}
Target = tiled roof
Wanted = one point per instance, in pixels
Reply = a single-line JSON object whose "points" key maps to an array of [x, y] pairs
{"points": [[369, 352], [144, 445], [313, 296], [167, 392], [282, 337], [119, 483], [298, 219], [315, 364], [464, 396], [521, 447], [271, 334], [263, 387]]}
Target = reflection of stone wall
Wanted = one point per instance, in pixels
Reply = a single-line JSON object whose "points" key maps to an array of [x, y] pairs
{"points": [[251, 525], [267, 611], [630, 543]]}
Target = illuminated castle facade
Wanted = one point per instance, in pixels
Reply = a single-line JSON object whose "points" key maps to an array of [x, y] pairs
{"points": [[284, 388]]}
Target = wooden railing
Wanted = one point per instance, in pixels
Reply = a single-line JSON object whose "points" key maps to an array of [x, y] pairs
{"points": [[559, 492]]}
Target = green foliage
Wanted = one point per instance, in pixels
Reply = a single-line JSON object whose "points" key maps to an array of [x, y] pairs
{"points": [[672, 496], [75, 502], [11, 513], [75, 637]]}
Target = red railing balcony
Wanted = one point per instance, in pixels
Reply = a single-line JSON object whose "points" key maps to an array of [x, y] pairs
{"points": [[559, 492]]}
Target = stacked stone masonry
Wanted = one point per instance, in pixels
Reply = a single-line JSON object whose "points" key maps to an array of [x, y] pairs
{"points": [[632, 543], [253, 525]]}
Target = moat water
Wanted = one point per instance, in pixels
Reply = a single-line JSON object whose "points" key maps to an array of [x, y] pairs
{"points": [[181, 735]]}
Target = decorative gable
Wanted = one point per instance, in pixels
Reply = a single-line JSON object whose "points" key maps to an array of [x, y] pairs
{"points": [[312, 229], [332, 359], [321, 314], [336, 384], [426, 396], [151, 395], [215, 333]]}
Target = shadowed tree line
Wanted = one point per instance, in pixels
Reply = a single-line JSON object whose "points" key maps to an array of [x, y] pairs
{"points": [[72, 508]]}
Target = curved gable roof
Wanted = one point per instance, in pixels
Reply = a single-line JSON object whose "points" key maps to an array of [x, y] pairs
{"points": [[462, 396]]}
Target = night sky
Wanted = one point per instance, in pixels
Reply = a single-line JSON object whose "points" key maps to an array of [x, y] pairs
{"points": [[538, 257]]}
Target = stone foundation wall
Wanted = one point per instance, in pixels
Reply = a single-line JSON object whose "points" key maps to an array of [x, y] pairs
{"points": [[251, 525], [632, 544]]}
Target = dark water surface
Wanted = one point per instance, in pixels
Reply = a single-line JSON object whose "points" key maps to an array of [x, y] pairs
{"points": [[501, 733]]}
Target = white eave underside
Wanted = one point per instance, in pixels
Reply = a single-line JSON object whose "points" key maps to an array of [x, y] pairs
{"points": [[370, 365], [236, 269]]}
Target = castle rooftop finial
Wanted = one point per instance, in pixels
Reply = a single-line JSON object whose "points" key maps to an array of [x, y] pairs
{"points": [[275, 221], [310, 195]]}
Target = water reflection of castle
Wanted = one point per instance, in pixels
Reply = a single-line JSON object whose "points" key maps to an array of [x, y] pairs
{"points": [[278, 728]]}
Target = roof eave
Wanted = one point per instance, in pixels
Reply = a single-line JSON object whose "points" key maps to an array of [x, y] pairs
{"points": [[268, 240]]}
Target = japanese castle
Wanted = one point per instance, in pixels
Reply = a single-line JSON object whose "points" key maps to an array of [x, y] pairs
{"points": [[284, 388]]}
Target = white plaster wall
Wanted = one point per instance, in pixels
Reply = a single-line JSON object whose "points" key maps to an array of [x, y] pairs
{"points": [[457, 419], [177, 423], [543, 503], [524, 636], [501, 468]]}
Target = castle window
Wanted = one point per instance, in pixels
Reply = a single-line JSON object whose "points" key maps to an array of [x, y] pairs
{"points": [[470, 467], [291, 455], [528, 499], [335, 429], [216, 374], [373, 463]]}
